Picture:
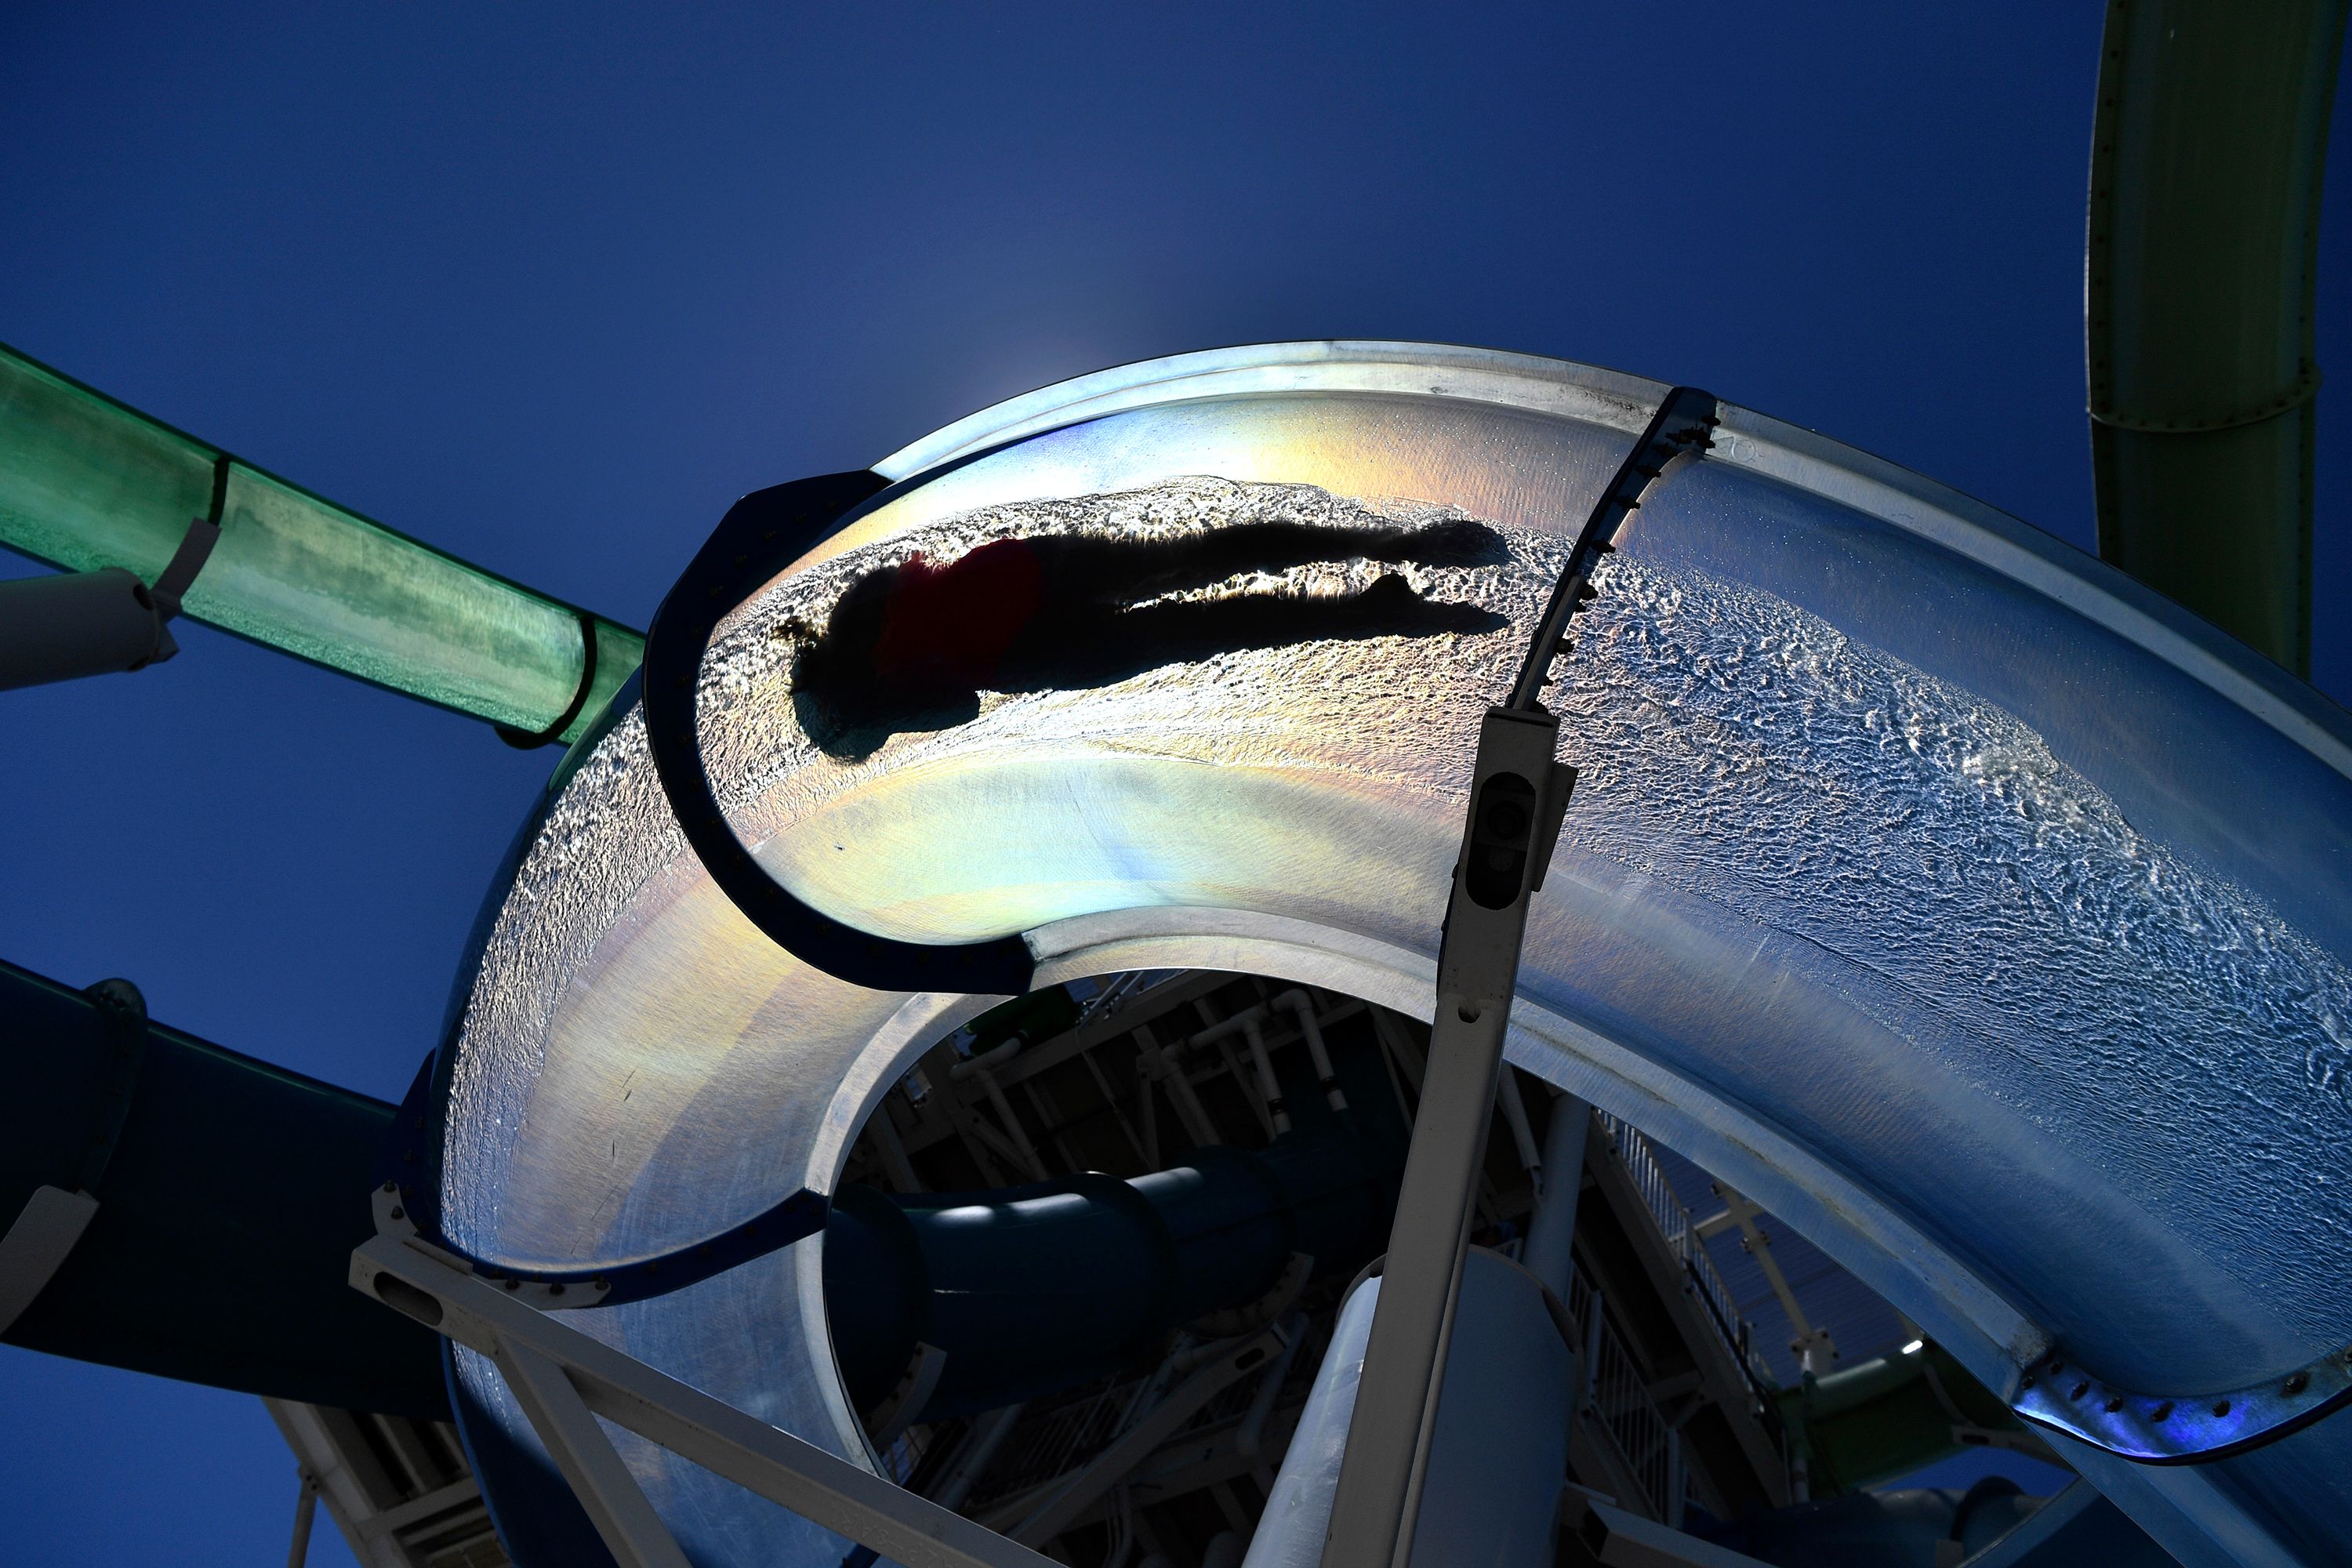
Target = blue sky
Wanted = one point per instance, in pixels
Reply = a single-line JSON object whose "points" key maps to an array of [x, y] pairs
{"points": [[549, 287]]}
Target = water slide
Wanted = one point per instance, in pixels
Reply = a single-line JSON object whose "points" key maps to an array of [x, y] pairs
{"points": [[1967, 906], [1971, 908]]}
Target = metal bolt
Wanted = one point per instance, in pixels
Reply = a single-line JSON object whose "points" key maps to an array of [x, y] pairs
{"points": [[2162, 1412], [2114, 1406], [2297, 1384], [399, 1213], [2081, 1389], [2221, 1407]]}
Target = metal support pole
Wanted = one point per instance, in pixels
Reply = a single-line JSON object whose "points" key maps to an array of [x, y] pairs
{"points": [[616, 1505], [306, 1513], [78, 624], [1551, 1235], [1379, 1495], [1518, 795]]}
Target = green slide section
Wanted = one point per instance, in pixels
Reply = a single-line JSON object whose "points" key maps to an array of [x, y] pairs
{"points": [[2201, 294], [86, 482], [1892, 1415]]}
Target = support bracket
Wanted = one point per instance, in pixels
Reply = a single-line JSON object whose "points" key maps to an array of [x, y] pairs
{"points": [[563, 1377], [1519, 794], [407, 1205]]}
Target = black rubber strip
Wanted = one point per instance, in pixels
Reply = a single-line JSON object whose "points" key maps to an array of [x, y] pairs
{"points": [[405, 1165], [1681, 423], [525, 740], [760, 536]]}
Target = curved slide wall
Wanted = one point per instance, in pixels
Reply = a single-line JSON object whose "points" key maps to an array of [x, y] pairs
{"points": [[1968, 906]]}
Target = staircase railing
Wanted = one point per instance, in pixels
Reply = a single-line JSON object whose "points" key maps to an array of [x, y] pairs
{"points": [[1681, 1232], [1621, 1413]]}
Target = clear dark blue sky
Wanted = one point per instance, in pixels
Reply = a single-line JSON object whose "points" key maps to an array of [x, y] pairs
{"points": [[551, 286]]}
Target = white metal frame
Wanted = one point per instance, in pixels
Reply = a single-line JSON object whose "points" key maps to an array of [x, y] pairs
{"points": [[38, 1242], [563, 1380]]}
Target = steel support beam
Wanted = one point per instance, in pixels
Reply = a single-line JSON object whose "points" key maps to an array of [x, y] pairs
{"points": [[563, 1379], [1378, 1499], [1518, 793]]}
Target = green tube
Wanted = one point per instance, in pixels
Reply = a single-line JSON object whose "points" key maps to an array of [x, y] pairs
{"points": [[86, 482], [1891, 1415]]}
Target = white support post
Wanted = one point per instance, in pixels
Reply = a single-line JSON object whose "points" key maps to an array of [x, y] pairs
{"points": [[821, 1487], [1517, 792], [616, 1505], [1552, 1233], [306, 1514]]}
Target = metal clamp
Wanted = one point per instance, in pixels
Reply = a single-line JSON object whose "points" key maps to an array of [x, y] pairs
{"points": [[758, 536], [530, 739], [2152, 1429], [179, 573]]}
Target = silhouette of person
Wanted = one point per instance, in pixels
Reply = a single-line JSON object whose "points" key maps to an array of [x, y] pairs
{"points": [[911, 646]]}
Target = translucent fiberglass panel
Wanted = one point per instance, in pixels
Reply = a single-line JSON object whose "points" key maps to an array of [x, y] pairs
{"points": [[86, 482], [385, 608], [1935, 856], [1960, 919]]}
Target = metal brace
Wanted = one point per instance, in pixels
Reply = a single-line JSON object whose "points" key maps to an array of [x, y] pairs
{"points": [[50, 1225], [1518, 794], [563, 1379]]}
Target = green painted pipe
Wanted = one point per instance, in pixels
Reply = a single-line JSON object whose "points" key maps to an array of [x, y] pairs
{"points": [[86, 482], [2202, 274]]}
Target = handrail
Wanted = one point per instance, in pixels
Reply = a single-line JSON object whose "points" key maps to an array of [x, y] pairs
{"points": [[1623, 1412], [1681, 1233]]}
